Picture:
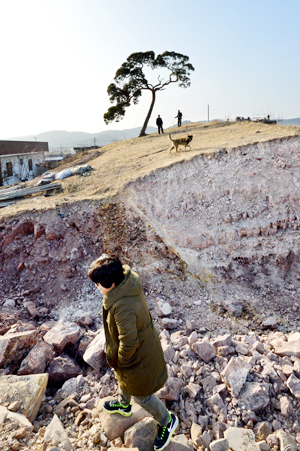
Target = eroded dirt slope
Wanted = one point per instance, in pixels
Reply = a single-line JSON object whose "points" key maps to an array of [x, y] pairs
{"points": [[211, 229], [233, 217]]}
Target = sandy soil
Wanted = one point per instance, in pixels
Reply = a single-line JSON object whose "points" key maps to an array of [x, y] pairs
{"points": [[120, 163]]}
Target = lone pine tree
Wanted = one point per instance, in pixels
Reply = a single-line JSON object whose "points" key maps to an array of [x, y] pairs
{"points": [[130, 81]]}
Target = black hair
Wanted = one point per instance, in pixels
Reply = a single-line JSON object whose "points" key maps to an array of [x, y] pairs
{"points": [[106, 270]]}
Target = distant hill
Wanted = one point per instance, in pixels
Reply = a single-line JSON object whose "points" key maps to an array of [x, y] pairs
{"points": [[295, 121], [67, 140]]}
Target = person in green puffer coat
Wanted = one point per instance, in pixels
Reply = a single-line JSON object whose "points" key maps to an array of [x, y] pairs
{"points": [[133, 347]]}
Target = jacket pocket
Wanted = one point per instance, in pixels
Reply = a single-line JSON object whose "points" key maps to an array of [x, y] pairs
{"points": [[112, 355]]}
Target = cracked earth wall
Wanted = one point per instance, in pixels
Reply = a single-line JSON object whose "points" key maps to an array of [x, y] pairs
{"points": [[232, 216]]}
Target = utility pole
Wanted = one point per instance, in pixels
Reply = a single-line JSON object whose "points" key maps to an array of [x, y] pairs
{"points": [[94, 142], [207, 113]]}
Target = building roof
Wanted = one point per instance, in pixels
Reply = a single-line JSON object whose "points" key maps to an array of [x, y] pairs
{"points": [[21, 147]]}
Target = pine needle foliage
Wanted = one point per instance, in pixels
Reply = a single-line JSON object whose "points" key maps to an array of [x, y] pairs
{"points": [[130, 81]]}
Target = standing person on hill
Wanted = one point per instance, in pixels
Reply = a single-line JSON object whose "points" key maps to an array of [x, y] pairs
{"points": [[133, 347], [179, 116], [159, 123]]}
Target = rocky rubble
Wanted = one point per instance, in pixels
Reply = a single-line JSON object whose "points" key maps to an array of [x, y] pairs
{"points": [[230, 392]]}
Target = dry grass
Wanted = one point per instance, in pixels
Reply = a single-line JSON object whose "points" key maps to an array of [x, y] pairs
{"points": [[121, 162]]}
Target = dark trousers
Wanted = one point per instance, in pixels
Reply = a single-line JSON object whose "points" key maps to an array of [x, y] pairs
{"points": [[152, 404], [179, 121], [160, 128]]}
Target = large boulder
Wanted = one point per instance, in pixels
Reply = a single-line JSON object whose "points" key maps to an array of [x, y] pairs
{"points": [[198, 437], [37, 359], [71, 386], [63, 368], [14, 346], [64, 332], [141, 435], [163, 308], [240, 439], [192, 389], [28, 390], [254, 397], [95, 353], [115, 425]]}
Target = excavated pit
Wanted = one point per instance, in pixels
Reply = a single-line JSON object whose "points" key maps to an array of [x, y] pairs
{"points": [[216, 235]]}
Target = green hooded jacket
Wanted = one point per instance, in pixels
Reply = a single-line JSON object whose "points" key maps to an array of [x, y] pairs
{"points": [[133, 347]]}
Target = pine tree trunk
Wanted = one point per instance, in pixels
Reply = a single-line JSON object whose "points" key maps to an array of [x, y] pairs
{"points": [[144, 128]]}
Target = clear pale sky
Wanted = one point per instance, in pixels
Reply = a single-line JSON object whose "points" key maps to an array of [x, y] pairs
{"points": [[59, 56]]}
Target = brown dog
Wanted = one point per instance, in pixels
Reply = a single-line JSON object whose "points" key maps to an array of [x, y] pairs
{"points": [[181, 142]]}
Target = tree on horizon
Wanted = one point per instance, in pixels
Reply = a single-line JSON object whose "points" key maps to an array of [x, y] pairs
{"points": [[130, 81]]}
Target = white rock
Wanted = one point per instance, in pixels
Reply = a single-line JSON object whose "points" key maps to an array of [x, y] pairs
{"points": [[290, 348], [240, 439], [168, 350], [235, 374], [193, 338], [219, 445], [56, 435], [163, 308], [10, 303]]}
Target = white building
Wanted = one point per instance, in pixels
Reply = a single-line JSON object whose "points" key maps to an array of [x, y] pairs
{"points": [[20, 160]]}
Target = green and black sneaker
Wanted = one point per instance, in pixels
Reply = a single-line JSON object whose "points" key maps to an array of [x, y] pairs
{"points": [[165, 433], [114, 406]]}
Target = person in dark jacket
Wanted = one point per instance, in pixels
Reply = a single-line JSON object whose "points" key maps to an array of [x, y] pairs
{"points": [[159, 123], [179, 117], [133, 347]]}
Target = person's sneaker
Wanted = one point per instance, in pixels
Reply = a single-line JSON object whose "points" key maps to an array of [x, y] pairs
{"points": [[165, 433], [114, 406]]}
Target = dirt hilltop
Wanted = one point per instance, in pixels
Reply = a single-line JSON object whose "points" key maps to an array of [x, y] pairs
{"points": [[126, 161]]}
